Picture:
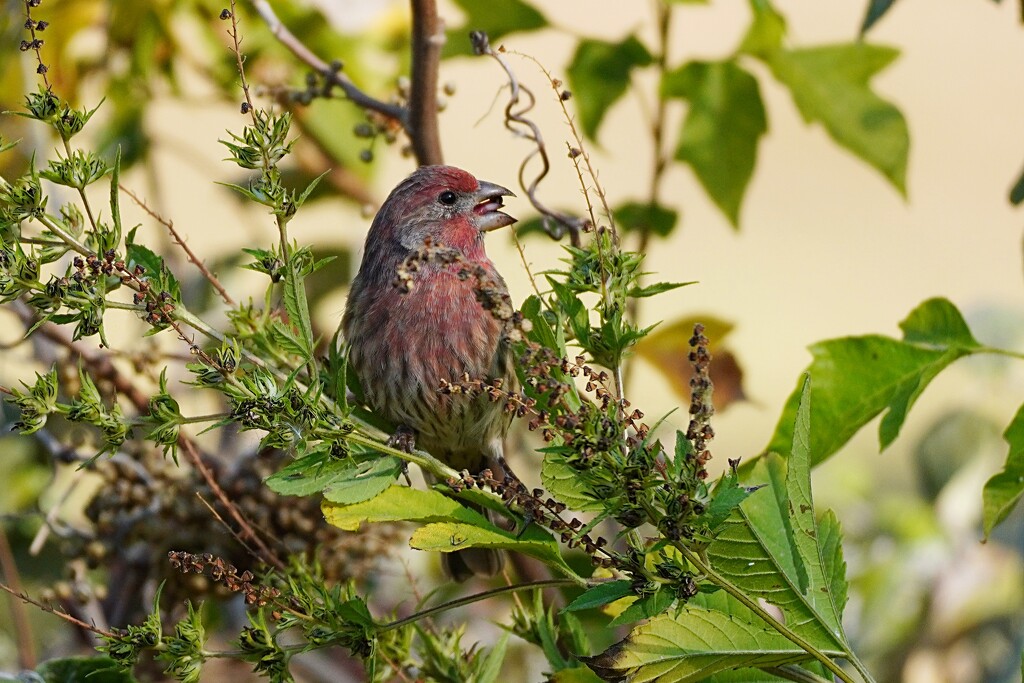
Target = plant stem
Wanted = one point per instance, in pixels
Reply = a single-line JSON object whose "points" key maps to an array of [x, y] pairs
{"points": [[470, 599], [756, 608]]}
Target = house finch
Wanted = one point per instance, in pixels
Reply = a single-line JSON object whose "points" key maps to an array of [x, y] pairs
{"points": [[403, 345]]}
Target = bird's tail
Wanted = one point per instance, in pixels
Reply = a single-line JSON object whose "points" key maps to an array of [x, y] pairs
{"points": [[462, 565]]}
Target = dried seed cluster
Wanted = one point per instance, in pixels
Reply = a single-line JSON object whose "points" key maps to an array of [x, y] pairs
{"points": [[225, 574], [537, 508]]}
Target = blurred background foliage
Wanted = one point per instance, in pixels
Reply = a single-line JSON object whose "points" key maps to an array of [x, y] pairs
{"points": [[929, 603]]}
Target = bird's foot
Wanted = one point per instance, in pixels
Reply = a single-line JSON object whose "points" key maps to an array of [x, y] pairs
{"points": [[404, 439]]}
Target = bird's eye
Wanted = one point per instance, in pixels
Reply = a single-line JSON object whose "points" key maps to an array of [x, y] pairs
{"points": [[447, 198]]}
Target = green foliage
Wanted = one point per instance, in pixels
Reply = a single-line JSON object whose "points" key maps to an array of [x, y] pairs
{"points": [[83, 670], [600, 71], [1004, 490], [772, 548], [856, 378], [723, 126], [497, 18]]}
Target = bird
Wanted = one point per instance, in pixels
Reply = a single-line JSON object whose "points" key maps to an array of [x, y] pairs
{"points": [[403, 346]]}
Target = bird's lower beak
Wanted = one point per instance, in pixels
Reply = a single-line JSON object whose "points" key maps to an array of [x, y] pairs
{"points": [[488, 207]]}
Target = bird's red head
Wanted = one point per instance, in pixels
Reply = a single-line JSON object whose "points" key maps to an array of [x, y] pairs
{"points": [[443, 203]]}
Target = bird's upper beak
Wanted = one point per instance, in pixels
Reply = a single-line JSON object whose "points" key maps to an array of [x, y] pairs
{"points": [[488, 207]]}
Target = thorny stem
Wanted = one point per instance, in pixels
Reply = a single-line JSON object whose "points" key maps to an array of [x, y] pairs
{"points": [[470, 599], [427, 40]]}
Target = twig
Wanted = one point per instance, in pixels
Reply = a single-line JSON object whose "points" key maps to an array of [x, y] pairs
{"points": [[427, 39], [19, 615], [520, 126], [223, 522], [181, 243], [266, 555], [56, 612], [335, 78]]}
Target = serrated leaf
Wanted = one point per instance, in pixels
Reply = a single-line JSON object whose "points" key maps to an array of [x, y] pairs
{"points": [[813, 583], [723, 126], [1004, 490], [402, 503], [447, 537], [307, 475], [298, 309], [692, 645], [364, 481], [599, 75], [575, 675], [830, 540], [565, 484], [830, 85], [756, 551], [727, 496], [496, 18], [646, 607], [856, 378], [600, 595]]}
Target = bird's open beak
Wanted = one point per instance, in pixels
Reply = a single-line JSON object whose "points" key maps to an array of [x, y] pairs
{"points": [[488, 207]]}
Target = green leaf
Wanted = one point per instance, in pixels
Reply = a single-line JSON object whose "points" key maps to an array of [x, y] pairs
{"points": [[645, 217], [803, 526], [490, 667], [600, 595], [496, 18], [575, 675], [402, 503], [830, 85], [937, 322], [309, 474], [599, 75], [766, 31], [83, 670], [876, 10], [298, 308], [364, 480], [727, 497], [692, 645], [755, 551], [566, 484], [722, 128], [1017, 191], [856, 378], [1004, 490], [647, 607], [447, 537]]}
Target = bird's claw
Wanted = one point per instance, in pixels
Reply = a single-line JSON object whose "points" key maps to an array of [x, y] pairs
{"points": [[404, 439]]}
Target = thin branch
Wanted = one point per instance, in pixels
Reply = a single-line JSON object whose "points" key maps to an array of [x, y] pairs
{"points": [[19, 615], [56, 612], [176, 236], [100, 367], [477, 597], [266, 555], [335, 78], [427, 40]]}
